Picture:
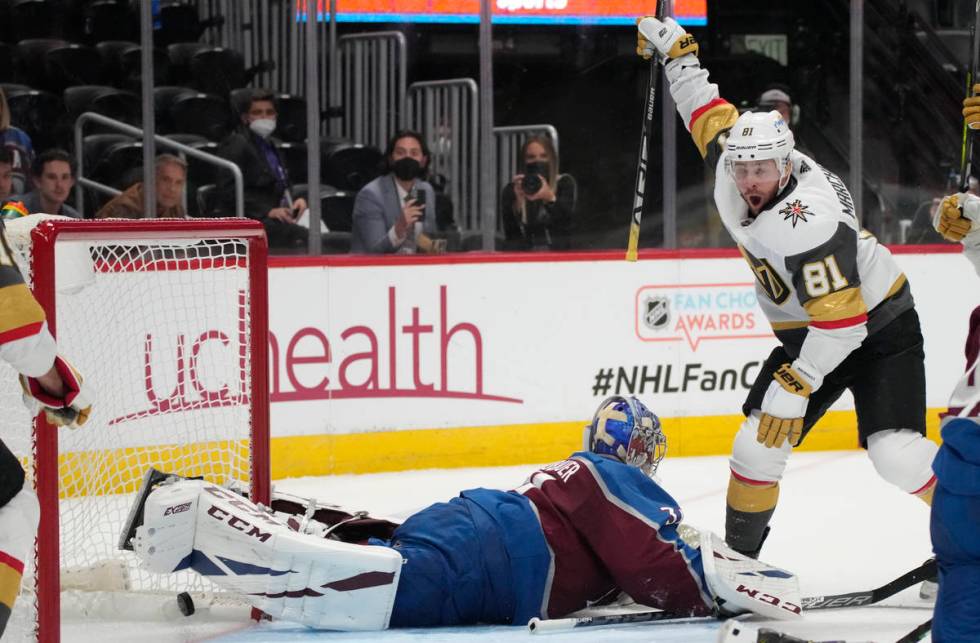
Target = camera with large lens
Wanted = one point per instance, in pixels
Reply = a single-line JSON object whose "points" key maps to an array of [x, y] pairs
{"points": [[532, 177]]}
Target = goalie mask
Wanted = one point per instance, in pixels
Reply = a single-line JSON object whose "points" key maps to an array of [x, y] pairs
{"points": [[630, 432], [759, 136]]}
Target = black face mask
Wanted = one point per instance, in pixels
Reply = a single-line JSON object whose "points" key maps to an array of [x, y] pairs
{"points": [[406, 168]]}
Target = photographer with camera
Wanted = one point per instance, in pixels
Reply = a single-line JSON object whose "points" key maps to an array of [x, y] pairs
{"points": [[537, 206], [396, 212]]}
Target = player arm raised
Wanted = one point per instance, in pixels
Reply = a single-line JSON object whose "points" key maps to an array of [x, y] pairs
{"points": [[706, 114]]}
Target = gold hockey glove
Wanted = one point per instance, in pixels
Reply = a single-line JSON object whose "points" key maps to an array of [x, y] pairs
{"points": [[783, 408], [667, 37], [949, 220], [971, 108]]}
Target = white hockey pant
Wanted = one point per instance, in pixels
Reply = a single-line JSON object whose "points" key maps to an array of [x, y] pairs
{"points": [[244, 548], [901, 456], [18, 526]]}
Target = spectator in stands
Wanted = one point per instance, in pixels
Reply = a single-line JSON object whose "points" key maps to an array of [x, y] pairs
{"points": [[777, 97], [538, 205], [396, 212], [171, 175], [267, 188], [6, 173], [53, 175], [19, 144]]}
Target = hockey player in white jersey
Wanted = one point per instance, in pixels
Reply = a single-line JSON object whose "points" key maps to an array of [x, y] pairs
{"points": [[51, 384], [838, 303]]}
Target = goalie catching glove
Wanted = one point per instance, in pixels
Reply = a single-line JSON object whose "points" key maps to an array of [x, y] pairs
{"points": [[783, 407], [72, 409], [666, 38]]}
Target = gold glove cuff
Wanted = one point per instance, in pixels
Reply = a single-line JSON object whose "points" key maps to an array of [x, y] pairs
{"points": [[790, 380]]}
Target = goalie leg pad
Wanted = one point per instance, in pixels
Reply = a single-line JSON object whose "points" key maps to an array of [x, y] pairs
{"points": [[18, 525], [243, 547], [740, 583], [904, 458]]}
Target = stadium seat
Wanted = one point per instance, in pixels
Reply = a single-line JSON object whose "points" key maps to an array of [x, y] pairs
{"points": [[94, 147], [10, 88], [34, 19], [294, 158], [336, 210], [335, 243], [70, 65], [117, 162], [180, 54], [202, 114], [40, 114], [217, 70], [163, 99], [109, 20], [179, 22], [205, 200], [6, 63], [132, 67], [349, 166], [110, 102], [29, 57], [111, 53], [291, 122]]}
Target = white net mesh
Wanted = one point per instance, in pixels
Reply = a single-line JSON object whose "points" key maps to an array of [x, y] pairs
{"points": [[159, 329]]}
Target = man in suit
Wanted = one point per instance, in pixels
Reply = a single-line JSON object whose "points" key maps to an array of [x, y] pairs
{"points": [[266, 183], [396, 212]]}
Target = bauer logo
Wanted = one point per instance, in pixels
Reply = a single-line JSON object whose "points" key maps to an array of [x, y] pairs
{"points": [[692, 313]]}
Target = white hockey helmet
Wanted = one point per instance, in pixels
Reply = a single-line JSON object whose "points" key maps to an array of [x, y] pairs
{"points": [[759, 136]]}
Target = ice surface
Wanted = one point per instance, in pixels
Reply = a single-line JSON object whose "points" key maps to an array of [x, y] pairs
{"points": [[838, 525]]}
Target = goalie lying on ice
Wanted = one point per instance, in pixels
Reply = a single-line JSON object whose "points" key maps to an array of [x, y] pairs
{"points": [[574, 533]]}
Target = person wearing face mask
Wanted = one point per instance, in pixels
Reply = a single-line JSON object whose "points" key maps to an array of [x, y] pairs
{"points": [[537, 207], [396, 212], [266, 182]]}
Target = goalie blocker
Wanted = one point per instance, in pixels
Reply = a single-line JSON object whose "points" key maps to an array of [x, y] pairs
{"points": [[245, 548]]}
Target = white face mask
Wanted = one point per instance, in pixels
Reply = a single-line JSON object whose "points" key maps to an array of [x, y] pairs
{"points": [[263, 126]]}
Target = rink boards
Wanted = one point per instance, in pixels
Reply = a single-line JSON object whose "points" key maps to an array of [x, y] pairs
{"points": [[475, 360]]}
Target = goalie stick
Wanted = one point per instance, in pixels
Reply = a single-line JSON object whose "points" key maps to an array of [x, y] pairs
{"points": [[640, 188], [925, 571]]}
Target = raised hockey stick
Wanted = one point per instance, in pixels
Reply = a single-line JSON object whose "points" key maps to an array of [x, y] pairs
{"points": [[966, 150], [925, 571], [641, 165]]}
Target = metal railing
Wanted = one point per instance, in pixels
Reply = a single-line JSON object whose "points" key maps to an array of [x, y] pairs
{"points": [[509, 141], [446, 112], [111, 123], [373, 86]]}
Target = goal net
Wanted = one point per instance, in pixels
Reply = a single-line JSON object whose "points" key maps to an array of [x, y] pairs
{"points": [[167, 322]]}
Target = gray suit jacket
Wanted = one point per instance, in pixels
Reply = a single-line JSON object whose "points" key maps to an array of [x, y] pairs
{"points": [[375, 209]]}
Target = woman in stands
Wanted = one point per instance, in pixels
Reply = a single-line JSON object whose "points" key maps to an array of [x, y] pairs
{"points": [[538, 205], [19, 143]]}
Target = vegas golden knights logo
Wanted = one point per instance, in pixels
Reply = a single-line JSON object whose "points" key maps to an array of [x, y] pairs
{"points": [[770, 281]]}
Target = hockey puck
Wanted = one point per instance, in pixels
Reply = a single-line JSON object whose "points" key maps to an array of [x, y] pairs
{"points": [[185, 603]]}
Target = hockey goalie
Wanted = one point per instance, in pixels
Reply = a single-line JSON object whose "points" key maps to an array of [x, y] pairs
{"points": [[576, 533]]}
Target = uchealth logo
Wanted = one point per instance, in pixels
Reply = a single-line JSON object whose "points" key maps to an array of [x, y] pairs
{"points": [[693, 313]]}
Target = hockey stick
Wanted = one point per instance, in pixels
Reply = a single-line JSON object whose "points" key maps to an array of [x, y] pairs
{"points": [[966, 150], [925, 571], [641, 165], [917, 634]]}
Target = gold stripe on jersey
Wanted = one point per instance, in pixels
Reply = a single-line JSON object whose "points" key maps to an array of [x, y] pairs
{"points": [[836, 306], [18, 308], [706, 125], [899, 283]]}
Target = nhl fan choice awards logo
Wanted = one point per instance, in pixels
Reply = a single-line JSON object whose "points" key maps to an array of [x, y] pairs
{"points": [[695, 312]]}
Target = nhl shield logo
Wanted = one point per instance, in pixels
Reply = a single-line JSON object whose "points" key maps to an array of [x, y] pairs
{"points": [[657, 315]]}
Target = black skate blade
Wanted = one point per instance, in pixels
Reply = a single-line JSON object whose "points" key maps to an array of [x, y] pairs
{"points": [[151, 479]]}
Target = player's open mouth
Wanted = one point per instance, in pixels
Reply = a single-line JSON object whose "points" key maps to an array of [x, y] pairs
{"points": [[755, 200]]}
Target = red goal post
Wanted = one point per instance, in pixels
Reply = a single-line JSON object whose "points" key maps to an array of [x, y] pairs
{"points": [[168, 322]]}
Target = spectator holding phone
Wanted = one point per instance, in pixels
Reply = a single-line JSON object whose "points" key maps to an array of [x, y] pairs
{"points": [[267, 187], [395, 213], [538, 205]]}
